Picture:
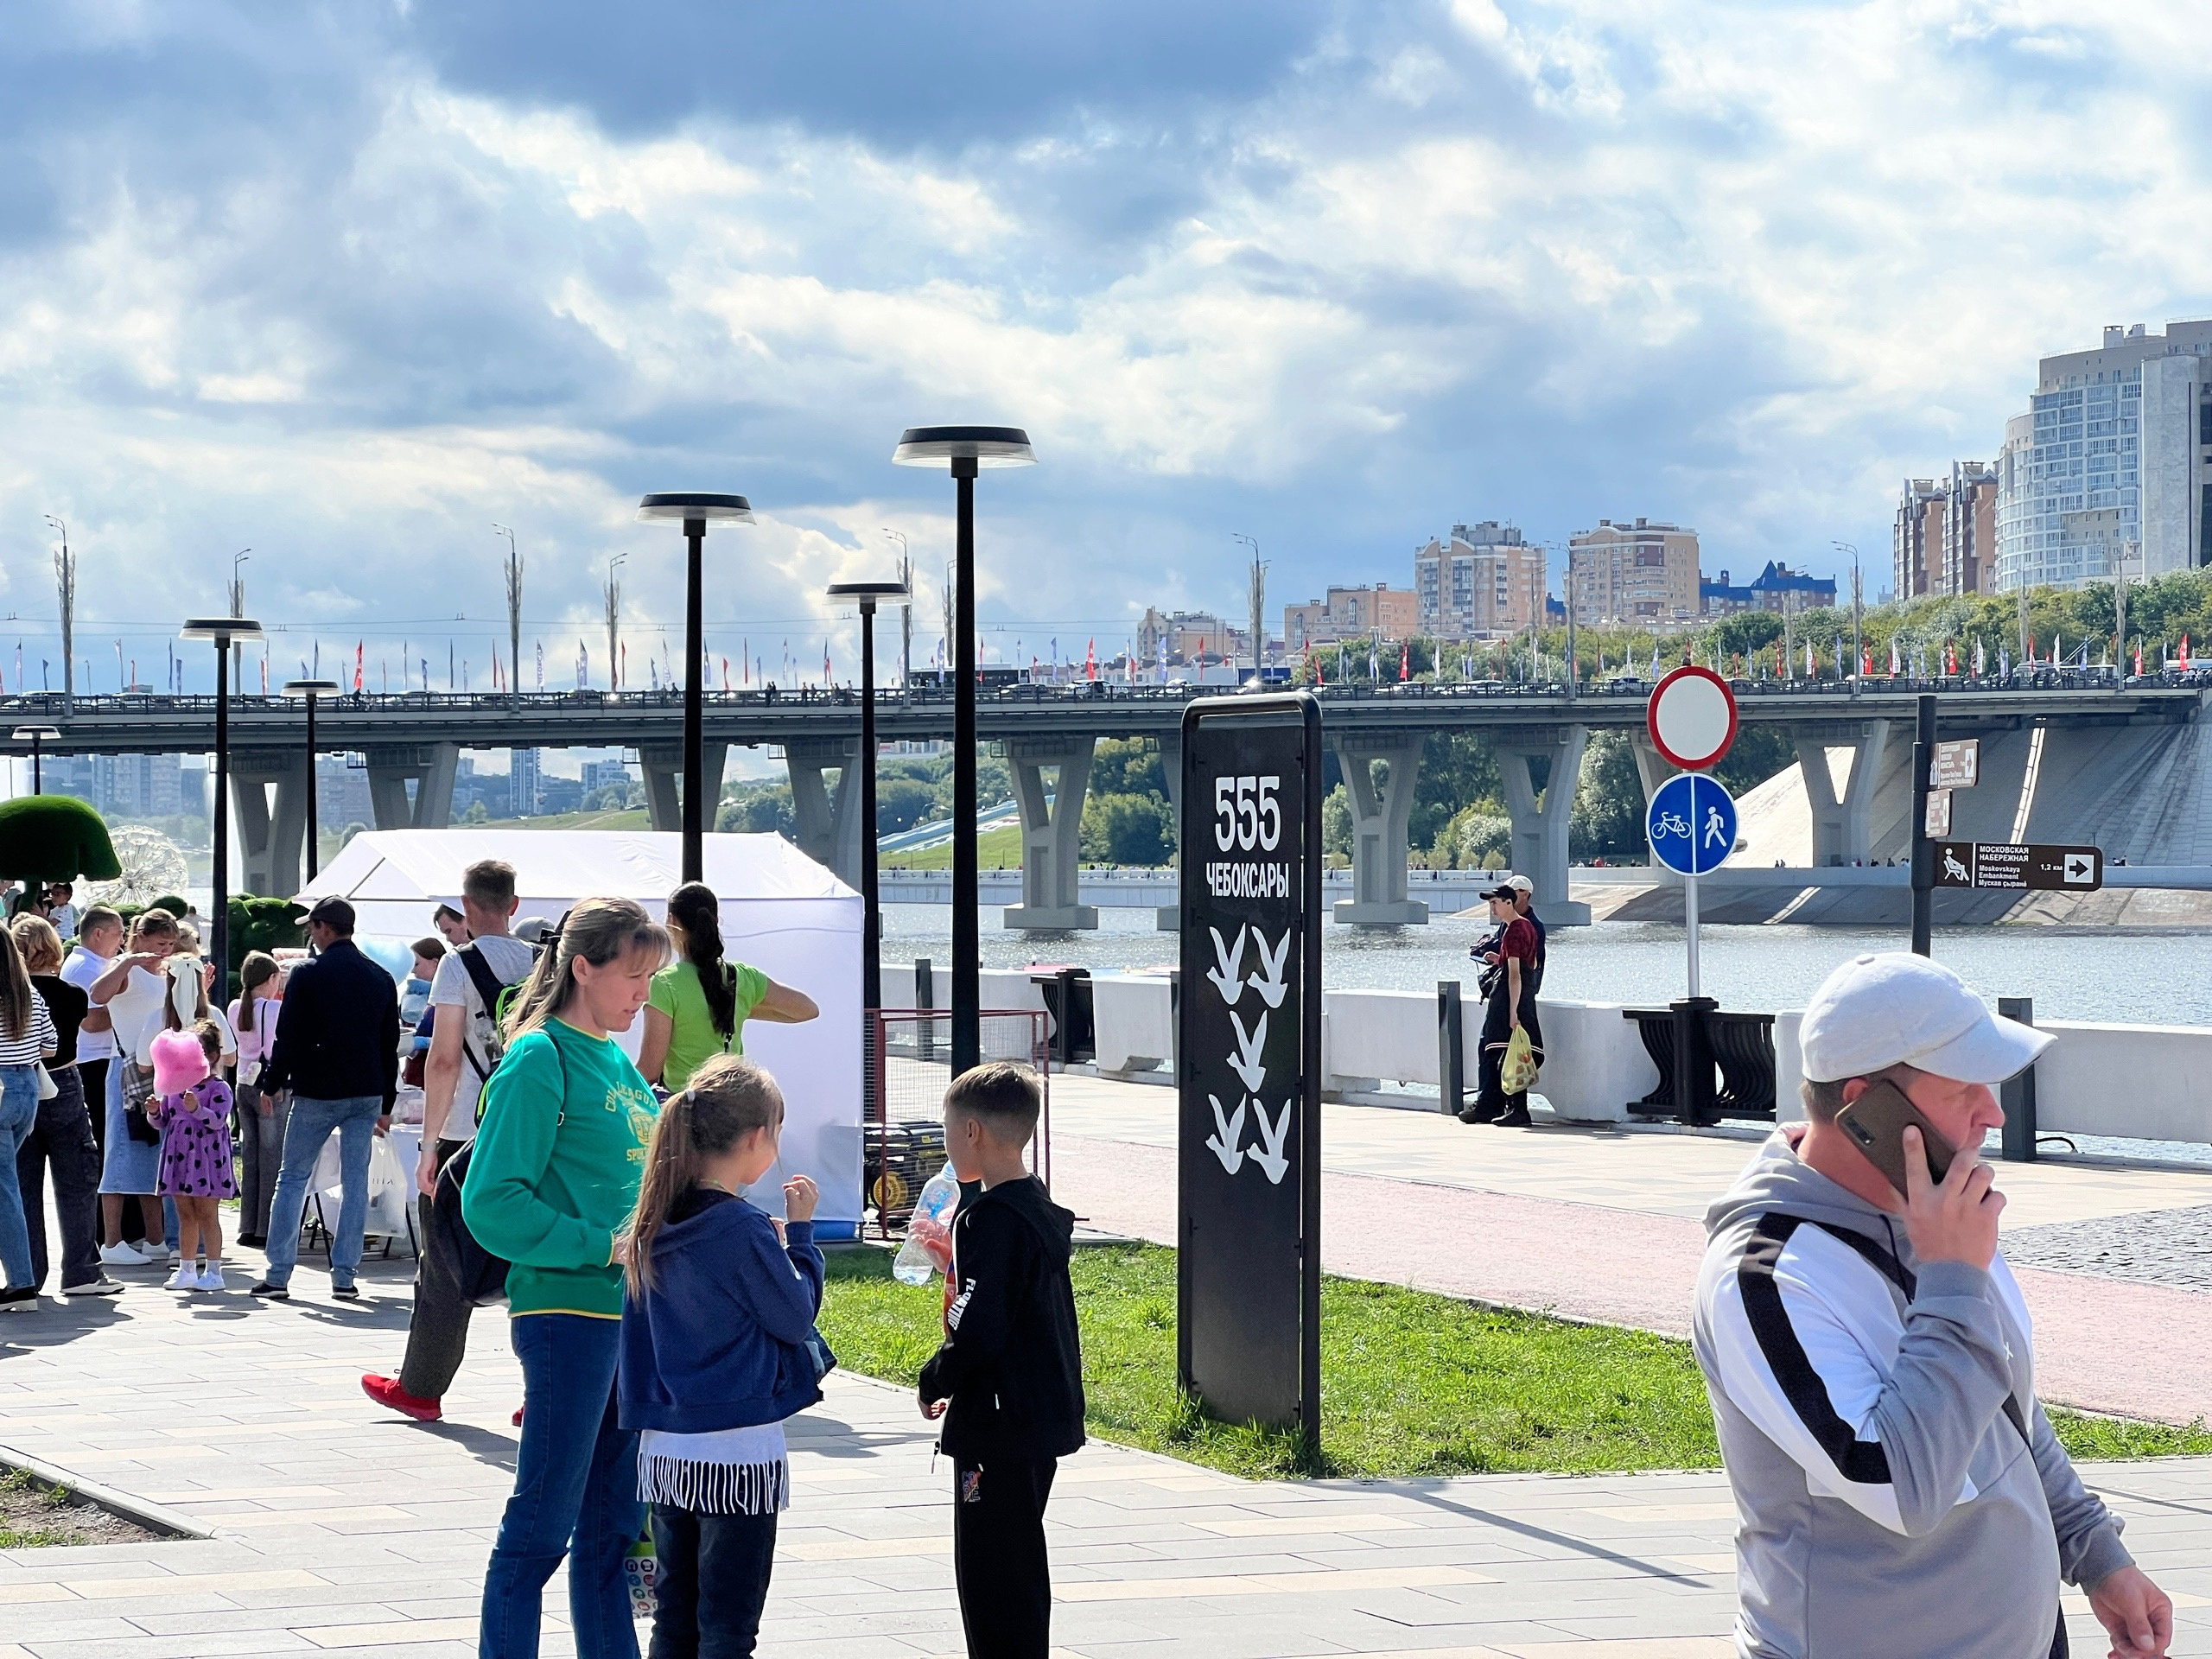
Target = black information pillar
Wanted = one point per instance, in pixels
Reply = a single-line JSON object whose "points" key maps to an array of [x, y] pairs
{"points": [[1249, 1046]]}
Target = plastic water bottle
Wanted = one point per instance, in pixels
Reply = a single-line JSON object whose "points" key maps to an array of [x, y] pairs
{"points": [[928, 1247]]}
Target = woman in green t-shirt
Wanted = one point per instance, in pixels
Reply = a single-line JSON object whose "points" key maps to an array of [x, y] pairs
{"points": [[550, 1186], [700, 1002]]}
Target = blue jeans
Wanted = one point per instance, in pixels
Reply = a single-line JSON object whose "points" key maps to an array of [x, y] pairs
{"points": [[575, 1493], [310, 1125], [18, 1116]]}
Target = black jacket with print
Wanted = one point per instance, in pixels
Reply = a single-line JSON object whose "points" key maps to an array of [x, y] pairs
{"points": [[1012, 1362]]}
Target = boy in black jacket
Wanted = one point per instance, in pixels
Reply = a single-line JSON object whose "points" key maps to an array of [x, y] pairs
{"points": [[1008, 1379]]}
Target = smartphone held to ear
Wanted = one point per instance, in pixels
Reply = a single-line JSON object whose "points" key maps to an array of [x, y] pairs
{"points": [[1875, 1123]]}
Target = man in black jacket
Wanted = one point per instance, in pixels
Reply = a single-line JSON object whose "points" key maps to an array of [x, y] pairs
{"points": [[338, 1051], [1009, 1379]]}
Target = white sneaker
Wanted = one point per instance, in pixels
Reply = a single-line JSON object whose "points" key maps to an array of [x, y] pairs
{"points": [[122, 1255], [211, 1277], [186, 1277]]}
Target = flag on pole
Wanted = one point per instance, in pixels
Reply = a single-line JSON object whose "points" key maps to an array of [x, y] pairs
{"points": [[725, 673], [825, 662], [360, 653], [1090, 661], [541, 665], [2184, 653], [1405, 660]]}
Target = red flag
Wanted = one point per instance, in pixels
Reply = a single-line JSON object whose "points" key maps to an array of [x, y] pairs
{"points": [[1405, 660], [1090, 661], [2184, 653], [360, 648]]}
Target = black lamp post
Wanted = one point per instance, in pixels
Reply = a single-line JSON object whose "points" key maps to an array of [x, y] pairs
{"points": [[311, 690], [868, 594], [966, 450], [222, 632], [37, 737], [693, 511]]}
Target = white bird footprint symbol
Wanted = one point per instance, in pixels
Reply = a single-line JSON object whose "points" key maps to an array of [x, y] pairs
{"points": [[1246, 1062], [1227, 1132], [1270, 1155], [1271, 987], [1228, 975]]}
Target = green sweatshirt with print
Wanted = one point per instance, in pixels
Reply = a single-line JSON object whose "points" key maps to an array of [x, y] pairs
{"points": [[554, 1174]]}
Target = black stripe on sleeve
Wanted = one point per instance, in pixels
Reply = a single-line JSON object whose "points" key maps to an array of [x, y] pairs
{"points": [[1861, 1461]]}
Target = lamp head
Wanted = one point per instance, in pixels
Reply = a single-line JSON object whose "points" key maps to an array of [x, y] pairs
{"points": [[312, 688], [222, 630], [869, 594], [682, 504], [36, 733], [986, 446]]}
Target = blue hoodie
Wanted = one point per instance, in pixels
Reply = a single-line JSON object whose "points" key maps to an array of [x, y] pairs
{"points": [[720, 1340]]}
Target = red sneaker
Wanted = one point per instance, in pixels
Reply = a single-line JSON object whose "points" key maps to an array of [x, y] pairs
{"points": [[386, 1392], [518, 1416]]}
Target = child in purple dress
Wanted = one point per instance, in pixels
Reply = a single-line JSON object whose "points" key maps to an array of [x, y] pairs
{"points": [[192, 1111]]}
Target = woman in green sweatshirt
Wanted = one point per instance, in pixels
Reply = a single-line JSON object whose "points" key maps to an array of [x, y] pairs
{"points": [[550, 1187]]}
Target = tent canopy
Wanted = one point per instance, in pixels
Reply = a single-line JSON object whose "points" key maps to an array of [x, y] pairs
{"points": [[395, 878]]}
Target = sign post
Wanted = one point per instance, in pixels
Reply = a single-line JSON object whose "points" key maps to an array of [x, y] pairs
{"points": [[1249, 1073], [1692, 720]]}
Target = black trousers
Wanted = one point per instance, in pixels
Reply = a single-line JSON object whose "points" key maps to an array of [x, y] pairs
{"points": [[1491, 1098], [998, 1555], [437, 1333], [61, 1140], [714, 1581]]}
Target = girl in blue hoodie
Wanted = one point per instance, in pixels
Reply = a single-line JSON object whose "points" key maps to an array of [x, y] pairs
{"points": [[718, 1349]]}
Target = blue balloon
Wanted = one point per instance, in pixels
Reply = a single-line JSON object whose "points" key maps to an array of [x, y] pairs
{"points": [[1691, 824]]}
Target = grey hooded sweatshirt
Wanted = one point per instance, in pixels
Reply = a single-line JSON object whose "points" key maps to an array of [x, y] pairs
{"points": [[1901, 1491]]}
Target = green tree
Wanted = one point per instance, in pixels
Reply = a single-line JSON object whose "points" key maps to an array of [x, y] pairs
{"points": [[759, 808], [1608, 818], [1127, 829], [1128, 766], [477, 813], [1336, 823], [902, 803], [1458, 769]]}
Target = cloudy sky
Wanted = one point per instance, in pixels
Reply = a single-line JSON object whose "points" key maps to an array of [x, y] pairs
{"points": [[346, 285]]}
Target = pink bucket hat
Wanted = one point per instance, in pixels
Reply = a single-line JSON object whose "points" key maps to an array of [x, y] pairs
{"points": [[179, 1062]]}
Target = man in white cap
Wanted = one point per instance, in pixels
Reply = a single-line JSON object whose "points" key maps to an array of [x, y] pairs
{"points": [[1872, 1364]]}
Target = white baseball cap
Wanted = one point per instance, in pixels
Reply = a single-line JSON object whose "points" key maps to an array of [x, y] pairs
{"points": [[1895, 1008], [1520, 884]]}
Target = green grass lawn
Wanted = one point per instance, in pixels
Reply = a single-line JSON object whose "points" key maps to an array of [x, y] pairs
{"points": [[1411, 1383], [999, 848]]}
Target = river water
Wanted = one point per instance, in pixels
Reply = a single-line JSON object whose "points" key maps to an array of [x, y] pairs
{"points": [[2162, 978]]}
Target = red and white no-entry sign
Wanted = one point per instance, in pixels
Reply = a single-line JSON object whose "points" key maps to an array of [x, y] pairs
{"points": [[1692, 717]]}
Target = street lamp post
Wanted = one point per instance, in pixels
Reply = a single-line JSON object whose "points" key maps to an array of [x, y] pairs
{"points": [[693, 511], [222, 632], [1858, 652], [37, 737], [868, 596], [310, 689], [965, 449]]}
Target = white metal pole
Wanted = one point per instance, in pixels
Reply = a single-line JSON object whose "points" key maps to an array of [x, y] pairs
{"points": [[1689, 890]]}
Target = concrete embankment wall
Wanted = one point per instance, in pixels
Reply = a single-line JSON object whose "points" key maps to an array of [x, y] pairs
{"points": [[2125, 1080]]}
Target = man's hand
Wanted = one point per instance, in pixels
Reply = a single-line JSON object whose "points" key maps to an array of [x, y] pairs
{"points": [[426, 1174], [2135, 1613], [383, 1124], [934, 1409], [1954, 1220]]}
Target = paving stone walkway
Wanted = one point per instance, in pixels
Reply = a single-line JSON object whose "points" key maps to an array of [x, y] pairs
{"points": [[336, 1528], [2161, 1247]]}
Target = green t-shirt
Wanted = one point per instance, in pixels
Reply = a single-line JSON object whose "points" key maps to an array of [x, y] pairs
{"points": [[692, 1039], [556, 1171]]}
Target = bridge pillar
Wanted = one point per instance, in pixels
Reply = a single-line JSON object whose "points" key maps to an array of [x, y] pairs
{"points": [[1541, 819], [429, 766], [1840, 826], [1379, 818], [1051, 831], [269, 840], [662, 764], [1168, 918], [827, 822]]}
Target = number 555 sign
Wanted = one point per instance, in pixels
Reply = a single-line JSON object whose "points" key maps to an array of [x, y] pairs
{"points": [[1249, 1041]]}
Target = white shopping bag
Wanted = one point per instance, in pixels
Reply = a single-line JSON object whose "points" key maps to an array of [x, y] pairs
{"points": [[390, 1191]]}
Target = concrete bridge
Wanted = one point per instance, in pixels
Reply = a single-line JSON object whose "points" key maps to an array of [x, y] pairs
{"points": [[411, 742]]}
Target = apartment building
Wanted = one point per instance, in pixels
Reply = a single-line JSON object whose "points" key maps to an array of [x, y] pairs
{"points": [[1483, 581], [1643, 574], [1351, 613]]}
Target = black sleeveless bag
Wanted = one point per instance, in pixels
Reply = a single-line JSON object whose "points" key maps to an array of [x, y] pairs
{"points": [[479, 1276]]}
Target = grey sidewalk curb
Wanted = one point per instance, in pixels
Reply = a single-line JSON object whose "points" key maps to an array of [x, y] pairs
{"points": [[152, 1516]]}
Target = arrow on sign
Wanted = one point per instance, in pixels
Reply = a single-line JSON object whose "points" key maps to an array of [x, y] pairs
{"points": [[2080, 869], [1222, 1143], [1269, 982], [1270, 1157], [1228, 974], [1246, 1062]]}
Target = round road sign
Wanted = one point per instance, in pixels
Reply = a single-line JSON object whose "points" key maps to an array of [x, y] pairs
{"points": [[1691, 824], [1692, 717]]}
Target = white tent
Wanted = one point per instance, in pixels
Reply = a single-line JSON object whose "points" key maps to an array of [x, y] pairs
{"points": [[780, 911]]}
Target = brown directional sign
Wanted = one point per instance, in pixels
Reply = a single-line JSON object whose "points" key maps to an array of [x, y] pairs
{"points": [[1939, 814], [2018, 866], [1957, 764]]}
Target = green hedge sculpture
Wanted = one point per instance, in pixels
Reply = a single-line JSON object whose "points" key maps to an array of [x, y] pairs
{"points": [[54, 838]]}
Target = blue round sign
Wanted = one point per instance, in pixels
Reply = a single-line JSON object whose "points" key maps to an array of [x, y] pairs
{"points": [[1691, 824]]}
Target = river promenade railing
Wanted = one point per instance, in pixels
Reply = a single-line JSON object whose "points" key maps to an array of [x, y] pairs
{"points": [[2127, 1082]]}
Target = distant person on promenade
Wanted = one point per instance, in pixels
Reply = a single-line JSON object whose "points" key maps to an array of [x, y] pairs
{"points": [[262, 1112], [338, 1051], [132, 991], [1872, 1364], [1511, 1005], [552, 1182], [702, 1001], [62, 1137], [27, 1038], [466, 1046]]}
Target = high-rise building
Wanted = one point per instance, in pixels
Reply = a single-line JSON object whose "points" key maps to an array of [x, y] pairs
{"points": [[1640, 575], [1484, 582], [2126, 427], [522, 782], [1943, 539], [1381, 612], [1189, 636], [604, 774], [341, 793], [1917, 539]]}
